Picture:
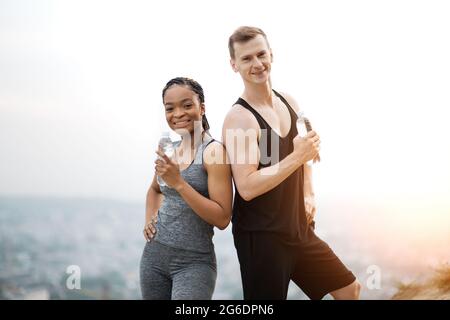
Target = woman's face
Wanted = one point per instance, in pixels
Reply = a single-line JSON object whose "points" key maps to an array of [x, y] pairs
{"points": [[183, 109]]}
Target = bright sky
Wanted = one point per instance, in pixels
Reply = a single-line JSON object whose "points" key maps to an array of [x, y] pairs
{"points": [[81, 81]]}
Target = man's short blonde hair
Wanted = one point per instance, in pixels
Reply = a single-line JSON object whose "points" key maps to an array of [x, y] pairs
{"points": [[242, 35]]}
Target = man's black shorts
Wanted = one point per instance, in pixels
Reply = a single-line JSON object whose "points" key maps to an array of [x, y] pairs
{"points": [[267, 265]]}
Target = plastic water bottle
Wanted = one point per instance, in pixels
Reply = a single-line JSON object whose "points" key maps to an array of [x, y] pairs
{"points": [[165, 145], [303, 127]]}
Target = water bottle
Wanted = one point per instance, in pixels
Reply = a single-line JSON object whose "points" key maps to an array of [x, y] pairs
{"points": [[165, 145], [303, 127]]}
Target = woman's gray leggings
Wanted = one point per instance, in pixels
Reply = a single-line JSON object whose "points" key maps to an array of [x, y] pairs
{"points": [[170, 273]]}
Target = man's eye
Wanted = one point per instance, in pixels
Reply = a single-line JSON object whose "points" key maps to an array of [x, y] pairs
{"points": [[169, 109], [188, 105]]}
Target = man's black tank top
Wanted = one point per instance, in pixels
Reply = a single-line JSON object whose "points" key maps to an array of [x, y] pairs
{"points": [[282, 209]]}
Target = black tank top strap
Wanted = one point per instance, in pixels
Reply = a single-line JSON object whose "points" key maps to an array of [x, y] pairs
{"points": [[294, 115], [262, 123]]}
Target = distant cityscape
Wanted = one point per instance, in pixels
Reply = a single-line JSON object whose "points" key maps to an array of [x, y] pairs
{"points": [[41, 237]]}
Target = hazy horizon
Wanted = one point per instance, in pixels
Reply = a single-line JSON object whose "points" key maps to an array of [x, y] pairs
{"points": [[40, 238]]}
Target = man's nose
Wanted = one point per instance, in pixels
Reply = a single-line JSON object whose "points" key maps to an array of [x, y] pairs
{"points": [[257, 63]]}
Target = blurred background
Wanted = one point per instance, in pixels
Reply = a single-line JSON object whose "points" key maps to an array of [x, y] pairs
{"points": [[81, 113]]}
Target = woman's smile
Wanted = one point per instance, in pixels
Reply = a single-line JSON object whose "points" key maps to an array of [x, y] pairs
{"points": [[181, 123]]}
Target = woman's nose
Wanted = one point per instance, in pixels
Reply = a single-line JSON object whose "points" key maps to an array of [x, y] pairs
{"points": [[178, 112]]}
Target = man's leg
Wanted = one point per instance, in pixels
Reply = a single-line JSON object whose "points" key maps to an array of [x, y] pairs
{"points": [[318, 271], [350, 292], [265, 266]]}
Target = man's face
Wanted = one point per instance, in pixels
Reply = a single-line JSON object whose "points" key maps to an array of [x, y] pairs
{"points": [[253, 60]]}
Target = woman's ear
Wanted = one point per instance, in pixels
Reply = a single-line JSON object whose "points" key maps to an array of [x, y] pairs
{"points": [[202, 109]]}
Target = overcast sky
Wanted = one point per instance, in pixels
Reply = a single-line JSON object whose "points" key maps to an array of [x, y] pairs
{"points": [[81, 81]]}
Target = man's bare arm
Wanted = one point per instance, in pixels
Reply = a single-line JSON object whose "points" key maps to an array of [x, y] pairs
{"points": [[250, 181]]}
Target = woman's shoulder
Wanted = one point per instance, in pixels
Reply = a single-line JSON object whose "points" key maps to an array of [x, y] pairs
{"points": [[214, 153], [210, 143]]}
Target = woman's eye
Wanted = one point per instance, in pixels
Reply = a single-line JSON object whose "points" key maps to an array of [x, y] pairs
{"points": [[169, 109], [188, 105]]}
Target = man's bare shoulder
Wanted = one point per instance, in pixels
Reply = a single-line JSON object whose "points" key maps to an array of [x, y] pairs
{"points": [[292, 102], [240, 117]]}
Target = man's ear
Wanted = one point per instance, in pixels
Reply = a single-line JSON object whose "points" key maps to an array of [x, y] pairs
{"points": [[233, 65]]}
